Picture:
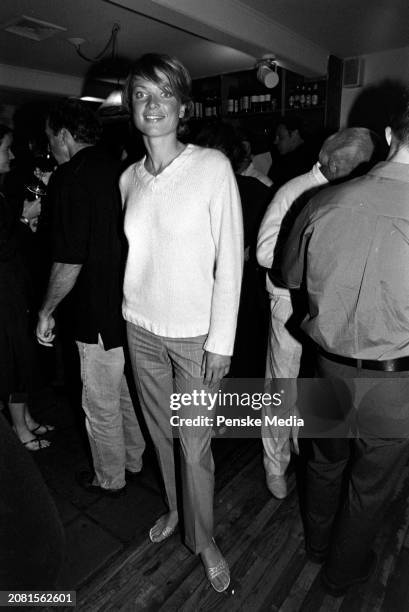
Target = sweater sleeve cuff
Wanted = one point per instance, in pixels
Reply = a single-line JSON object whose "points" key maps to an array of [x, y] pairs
{"points": [[218, 347]]}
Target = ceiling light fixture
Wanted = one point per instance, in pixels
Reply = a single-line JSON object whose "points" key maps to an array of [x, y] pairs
{"points": [[114, 99], [267, 71], [111, 44], [92, 99], [109, 57]]}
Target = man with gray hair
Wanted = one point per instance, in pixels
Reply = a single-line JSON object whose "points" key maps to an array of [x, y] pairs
{"points": [[346, 152], [349, 252]]}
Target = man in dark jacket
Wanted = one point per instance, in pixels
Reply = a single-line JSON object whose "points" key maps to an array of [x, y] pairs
{"points": [[87, 262]]}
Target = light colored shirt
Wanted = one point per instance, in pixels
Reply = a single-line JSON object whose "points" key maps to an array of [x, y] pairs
{"points": [[270, 227], [253, 172], [185, 233], [351, 245]]}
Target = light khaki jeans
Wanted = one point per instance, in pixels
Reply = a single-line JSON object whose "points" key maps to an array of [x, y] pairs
{"points": [[114, 434], [283, 361]]}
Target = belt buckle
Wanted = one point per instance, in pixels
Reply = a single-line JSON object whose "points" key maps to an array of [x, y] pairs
{"points": [[359, 364]]}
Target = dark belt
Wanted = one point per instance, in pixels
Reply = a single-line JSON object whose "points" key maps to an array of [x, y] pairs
{"points": [[388, 365]]}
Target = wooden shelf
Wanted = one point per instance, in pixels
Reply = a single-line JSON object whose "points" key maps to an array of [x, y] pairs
{"points": [[304, 108], [245, 115], [238, 116], [239, 84]]}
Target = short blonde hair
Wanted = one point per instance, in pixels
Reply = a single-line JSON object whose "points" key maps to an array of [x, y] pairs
{"points": [[163, 70]]}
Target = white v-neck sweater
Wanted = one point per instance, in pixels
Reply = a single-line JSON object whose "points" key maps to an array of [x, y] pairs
{"points": [[185, 233]]}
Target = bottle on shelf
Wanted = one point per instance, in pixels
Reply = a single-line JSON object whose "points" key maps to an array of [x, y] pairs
{"points": [[257, 108], [230, 102], [297, 97], [308, 97], [315, 95], [236, 103], [302, 96], [208, 107], [198, 110], [245, 104], [259, 103], [215, 105], [291, 100], [240, 104], [267, 103]]}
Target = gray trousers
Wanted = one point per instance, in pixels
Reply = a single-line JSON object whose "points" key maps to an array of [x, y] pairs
{"points": [[343, 519], [163, 366], [114, 434]]}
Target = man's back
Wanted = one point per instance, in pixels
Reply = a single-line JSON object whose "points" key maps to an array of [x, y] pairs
{"points": [[357, 248], [87, 264], [350, 251], [88, 231]]}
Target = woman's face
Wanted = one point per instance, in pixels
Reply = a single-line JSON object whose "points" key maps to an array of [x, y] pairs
{"points": [[6, 154], [155, 109]]}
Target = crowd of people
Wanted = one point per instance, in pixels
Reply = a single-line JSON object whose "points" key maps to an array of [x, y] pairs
{"points": [[160, 260]]}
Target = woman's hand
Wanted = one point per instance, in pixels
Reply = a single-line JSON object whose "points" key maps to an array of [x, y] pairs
{"points": [[294, 432], [214, 367], [32, 208]]}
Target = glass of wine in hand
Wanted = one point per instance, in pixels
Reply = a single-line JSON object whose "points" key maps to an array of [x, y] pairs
{"points": [[33, 192], [35, 189]]}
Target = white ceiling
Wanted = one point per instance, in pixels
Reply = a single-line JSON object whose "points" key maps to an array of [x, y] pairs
{"points": [[93, 20], [343, 27]]}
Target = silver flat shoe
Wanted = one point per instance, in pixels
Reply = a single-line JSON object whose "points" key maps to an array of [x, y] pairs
{"points": [[165, 533], [221, 570]]}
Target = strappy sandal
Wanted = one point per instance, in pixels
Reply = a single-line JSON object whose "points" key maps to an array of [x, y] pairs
{"points": [[45, 429], [165, 533], [221, 570], [38, 442]]}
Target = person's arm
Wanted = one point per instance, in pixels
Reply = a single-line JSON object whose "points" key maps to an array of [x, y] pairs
{"points": [[124, 183], [71, 232], [227, 231], [284, 203], [270, 228], [62, 279], [294, 251]]}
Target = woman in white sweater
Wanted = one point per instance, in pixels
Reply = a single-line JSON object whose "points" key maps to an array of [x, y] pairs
{"points": [[181, 292]]}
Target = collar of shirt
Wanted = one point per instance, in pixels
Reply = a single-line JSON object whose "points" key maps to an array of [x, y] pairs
{"points": [[391, 170], [319, 177]]}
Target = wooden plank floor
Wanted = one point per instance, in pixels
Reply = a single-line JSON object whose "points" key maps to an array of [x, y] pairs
{"points": [[262, 539]]}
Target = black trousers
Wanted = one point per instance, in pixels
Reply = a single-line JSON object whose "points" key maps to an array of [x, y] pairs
{"points": [[31, 533], [350, 480]]}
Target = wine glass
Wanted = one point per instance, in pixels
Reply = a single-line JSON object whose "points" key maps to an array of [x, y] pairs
{"points": [[35, 189]]}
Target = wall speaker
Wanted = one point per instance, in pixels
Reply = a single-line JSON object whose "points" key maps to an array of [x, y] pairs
{"points": [[353, 72]]}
